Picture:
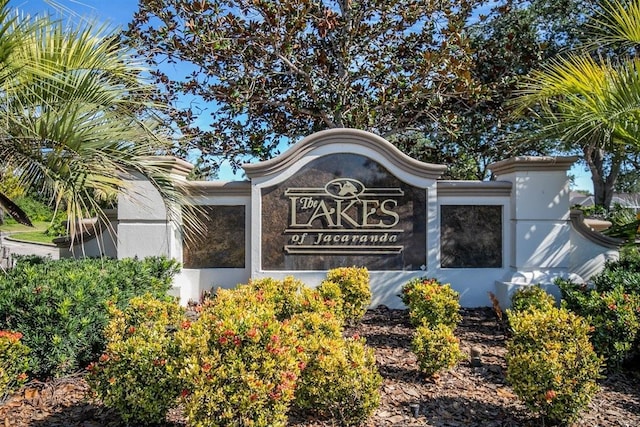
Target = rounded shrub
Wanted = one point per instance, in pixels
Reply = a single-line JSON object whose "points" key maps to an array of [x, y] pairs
{"points": [[531, 297], [241, 363], [551, 365], [436, 348], [137, 375], [431, 303], [340, 381], [14, 362], [355, 291], [312, 325]]}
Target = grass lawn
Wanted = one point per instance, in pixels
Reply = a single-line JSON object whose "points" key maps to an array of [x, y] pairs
{"points": [[33, 234]]}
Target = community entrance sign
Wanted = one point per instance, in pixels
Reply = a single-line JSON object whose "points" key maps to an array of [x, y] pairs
{"points": [[343, 209], [345, 197]]}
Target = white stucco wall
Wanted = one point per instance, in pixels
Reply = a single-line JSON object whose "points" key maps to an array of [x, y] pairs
{"points": [[539, 240]]}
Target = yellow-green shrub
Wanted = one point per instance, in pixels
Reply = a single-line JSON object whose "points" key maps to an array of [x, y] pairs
{"points": [[355, 291], [332, 296], [341, 380], [431, 302], [137, 373], [289, 296], [551, 364], [531, 297], [241, 363], [284, 294], [312, 325], [436, 348], [14, 362]]}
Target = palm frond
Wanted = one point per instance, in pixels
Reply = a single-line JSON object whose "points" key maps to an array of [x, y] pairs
{"points": [[77, 117], [617, 23]]}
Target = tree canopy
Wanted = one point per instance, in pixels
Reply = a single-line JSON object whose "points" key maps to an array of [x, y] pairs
{"points": [[432, 77], [276, 71], [508, 41]]}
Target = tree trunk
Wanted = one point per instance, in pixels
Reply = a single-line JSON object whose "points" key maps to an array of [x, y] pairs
{"points": [[603, 181]]}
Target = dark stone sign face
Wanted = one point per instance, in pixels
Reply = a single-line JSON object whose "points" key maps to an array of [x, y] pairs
{"points": [[470, 236], [223, 243], [343, 210]]}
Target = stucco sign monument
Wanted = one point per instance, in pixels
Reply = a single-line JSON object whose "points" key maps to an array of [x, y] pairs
{"points": [[345, 197]]}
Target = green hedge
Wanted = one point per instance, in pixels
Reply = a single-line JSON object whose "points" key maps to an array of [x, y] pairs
{"points": [[60, 306], [612, 307]]}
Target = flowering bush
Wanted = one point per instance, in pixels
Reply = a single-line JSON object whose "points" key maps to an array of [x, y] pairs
{"points": [[332, 296], [531, 297], [241, 363], [614, 315], [284, 294], [355, 291], [437, 348], [551, 364], [14, 362], [288, 296], [431, 303], [136, 374], [313, 325], [340, 381]]}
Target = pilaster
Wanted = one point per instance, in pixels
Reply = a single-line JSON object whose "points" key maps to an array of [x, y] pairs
{"points": [[539, 229]]}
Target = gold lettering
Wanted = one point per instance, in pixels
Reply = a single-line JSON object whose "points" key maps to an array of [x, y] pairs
{"points": [[308, 203], [367, 212], [322, 211], [342, 213], [392, 214], [294, 210]]}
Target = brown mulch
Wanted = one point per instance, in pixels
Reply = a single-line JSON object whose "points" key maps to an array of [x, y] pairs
{"points": [[466, 396]]}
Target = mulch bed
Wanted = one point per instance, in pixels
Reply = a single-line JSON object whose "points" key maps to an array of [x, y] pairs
{"points": [[466, 396]]}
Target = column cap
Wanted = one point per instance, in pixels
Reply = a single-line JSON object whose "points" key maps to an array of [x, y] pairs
{"points": [[533, 163]]}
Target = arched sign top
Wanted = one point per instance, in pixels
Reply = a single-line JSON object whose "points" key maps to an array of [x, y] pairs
{"points": [[343, 140]]}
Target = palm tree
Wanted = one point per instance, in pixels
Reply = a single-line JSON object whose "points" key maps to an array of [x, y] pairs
{"points": [[76, 117], [592, 102]]}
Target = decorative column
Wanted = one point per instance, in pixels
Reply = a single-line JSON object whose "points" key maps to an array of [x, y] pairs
{"points": [[540, 232]]}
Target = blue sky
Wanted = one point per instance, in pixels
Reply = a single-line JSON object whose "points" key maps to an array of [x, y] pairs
{"points": [[116, 12], [119, 12]]}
